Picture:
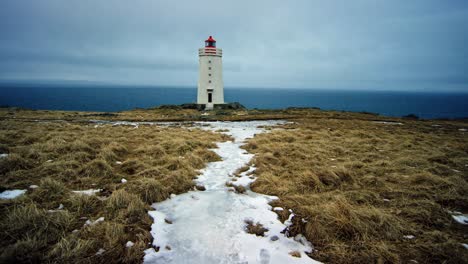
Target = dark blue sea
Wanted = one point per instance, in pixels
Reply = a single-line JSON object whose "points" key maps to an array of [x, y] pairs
{"points": [[110, 99]]}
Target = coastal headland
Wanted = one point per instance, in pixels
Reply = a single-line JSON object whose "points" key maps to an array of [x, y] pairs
{"points": [[346, 187]]}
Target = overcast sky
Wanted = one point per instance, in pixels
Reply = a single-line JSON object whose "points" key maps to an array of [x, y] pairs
{"points": [[366, 44]]}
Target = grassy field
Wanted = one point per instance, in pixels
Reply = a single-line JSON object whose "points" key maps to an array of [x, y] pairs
{"points": [[61, 157], [362, 186]]}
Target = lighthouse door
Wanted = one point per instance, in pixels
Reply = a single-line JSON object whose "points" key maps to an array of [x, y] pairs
{"points": [[210, 97]]}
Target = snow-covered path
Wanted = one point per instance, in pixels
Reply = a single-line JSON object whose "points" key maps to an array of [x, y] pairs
{"points": [[209, 226]]}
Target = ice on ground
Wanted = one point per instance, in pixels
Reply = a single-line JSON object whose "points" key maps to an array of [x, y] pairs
{"points": [[56, 210], [209, 227], [388, 122], [97, 221], [129, 244], [462, 219], [11, 194], [88, 192]]}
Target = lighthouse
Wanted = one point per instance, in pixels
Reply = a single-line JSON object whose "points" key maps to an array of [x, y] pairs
{"points": [[210, 78]]}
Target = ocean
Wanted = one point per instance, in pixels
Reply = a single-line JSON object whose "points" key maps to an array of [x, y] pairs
{"points": [[110, 99]]}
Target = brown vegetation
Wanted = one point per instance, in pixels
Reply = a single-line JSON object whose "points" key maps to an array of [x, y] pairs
{"points": [[358, 187], [48, 224], [256, 229]]}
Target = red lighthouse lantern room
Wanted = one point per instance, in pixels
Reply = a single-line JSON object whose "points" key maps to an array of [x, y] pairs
{"points": [[210, 42]]}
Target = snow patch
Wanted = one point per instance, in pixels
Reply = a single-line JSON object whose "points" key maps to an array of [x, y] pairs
{"points": [[461, 219], [11, 194], [208, 227], [3, 155], [129, 244], [388, 122], [88, 192], [91, 223], [123, 180]]}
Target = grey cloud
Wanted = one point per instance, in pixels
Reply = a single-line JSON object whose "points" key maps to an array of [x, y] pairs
{"points": [[309, 44]]}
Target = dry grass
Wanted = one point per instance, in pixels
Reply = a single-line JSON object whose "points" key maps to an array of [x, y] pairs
{"points": [[359, 185], [362, 186], [60, 157], [255, 228]]}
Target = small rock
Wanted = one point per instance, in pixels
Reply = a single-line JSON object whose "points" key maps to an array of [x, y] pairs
{"points": [[295, 254], [49, 160], [168, 221], [274, 238], [386, 200], [123, 180], [172, 195], [60, 207], [118, 162], [200, 187], [168, 247], [408, 237], [33, 186], [100, 251]]}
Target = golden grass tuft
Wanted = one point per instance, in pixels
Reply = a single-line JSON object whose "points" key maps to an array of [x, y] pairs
{"points": [[50, 192], [150, 190], [97, 168], [71, 248]]}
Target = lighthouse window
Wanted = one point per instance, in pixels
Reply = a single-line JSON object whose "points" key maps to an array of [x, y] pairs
{"points": [[209, 74], [209, 61], [209, 81], [209, 68]]}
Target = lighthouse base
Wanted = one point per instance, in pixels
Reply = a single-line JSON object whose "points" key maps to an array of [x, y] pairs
{"points": [[209, 106], [225, 106]]}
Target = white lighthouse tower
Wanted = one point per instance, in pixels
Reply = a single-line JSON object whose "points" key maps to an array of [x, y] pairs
{"points": [[210, 79]]}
